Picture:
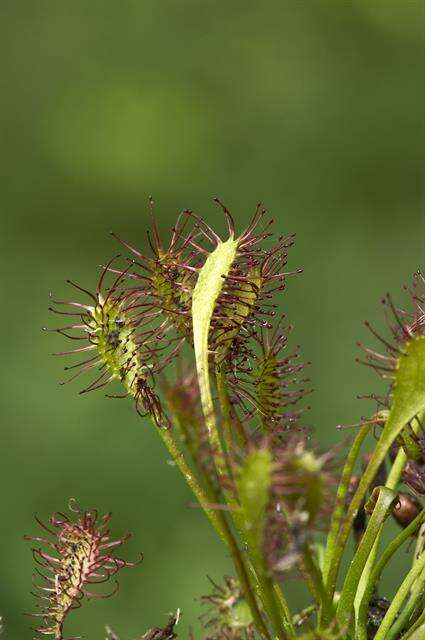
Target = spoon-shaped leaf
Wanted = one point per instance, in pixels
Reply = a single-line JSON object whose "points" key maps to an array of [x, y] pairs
{"points": [[208, 287]]}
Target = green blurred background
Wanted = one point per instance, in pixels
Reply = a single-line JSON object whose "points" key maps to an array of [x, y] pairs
{"points": [[315, 108]]}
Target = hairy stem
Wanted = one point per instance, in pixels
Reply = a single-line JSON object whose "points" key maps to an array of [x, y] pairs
{"points": [[315, 583]]}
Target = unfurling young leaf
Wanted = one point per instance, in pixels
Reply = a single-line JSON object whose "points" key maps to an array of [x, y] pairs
{"points": [[254, 492]]}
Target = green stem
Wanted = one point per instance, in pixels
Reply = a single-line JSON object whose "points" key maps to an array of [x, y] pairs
{"points": [[418, 625], [396, 470], [391, 483], [247, 589], [207, 290], [384, 631], [315, 583], [268, 596], [384, 502], [245, 580], [285, 611], [390, 432], [300, 618], [225, 408], [224, 401], [281, 625], [225, 405], [274, 603], [330, 572], [417, 592], [420, 544], [378, 569], [220, 524], [189, 476], [364, 580], [408, 612]]}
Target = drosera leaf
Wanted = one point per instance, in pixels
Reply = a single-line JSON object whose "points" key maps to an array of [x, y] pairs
{"points": [[211, 280], [376, 572], [409, 390], [385, 631], [242, 307], [408, 401], [254, 491], [253, 483], [379, 506]]}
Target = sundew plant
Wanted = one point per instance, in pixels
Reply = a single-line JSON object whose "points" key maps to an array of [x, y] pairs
{"points": [[191, 334]]}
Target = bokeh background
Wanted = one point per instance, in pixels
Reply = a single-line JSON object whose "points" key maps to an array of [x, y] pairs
{"points": [[315, 108]]}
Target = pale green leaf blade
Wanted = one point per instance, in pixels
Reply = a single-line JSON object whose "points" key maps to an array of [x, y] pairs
{"points": [[254, 493], [208, 287]]}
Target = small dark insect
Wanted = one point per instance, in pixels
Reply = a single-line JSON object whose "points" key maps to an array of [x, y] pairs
{"points": [[173, 273], [114, 338], [378, 607], [120, 322], [148, 403]]}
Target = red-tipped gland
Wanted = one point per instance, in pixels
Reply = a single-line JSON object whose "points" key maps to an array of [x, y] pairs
{"points": [[404, 326], [163, 282], [121, 346], [80, 553], [244, 304], [267, 384]]}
